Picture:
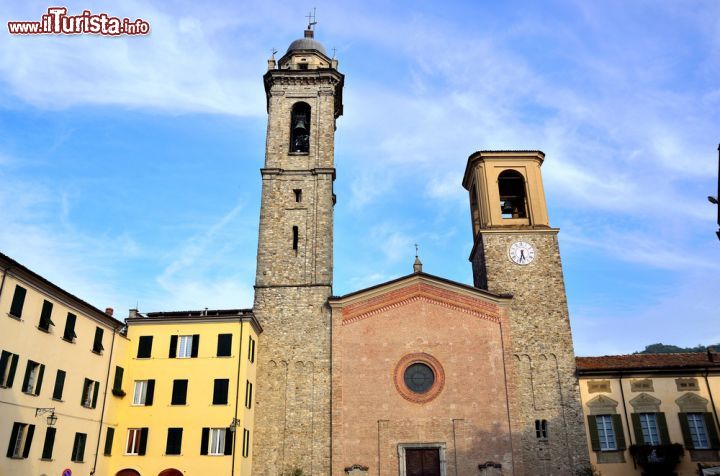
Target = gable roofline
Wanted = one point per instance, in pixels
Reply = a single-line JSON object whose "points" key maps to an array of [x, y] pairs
{"points": [[419, 277], [9, 265]]}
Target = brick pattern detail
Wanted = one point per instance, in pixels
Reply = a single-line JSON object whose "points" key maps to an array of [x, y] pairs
{"points": [[420, 292]]}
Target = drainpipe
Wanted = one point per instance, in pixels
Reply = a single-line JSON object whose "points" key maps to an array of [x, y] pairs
{"points": [[102, 412], [237, 397]]}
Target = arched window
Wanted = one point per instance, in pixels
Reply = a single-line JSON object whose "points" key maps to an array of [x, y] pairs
{"points": [[512, 194], [300, 128]]}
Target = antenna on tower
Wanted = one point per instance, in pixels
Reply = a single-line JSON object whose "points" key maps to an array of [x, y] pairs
{"points": [[311, 19]]}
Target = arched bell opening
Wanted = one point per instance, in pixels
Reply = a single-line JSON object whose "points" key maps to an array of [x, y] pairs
{"points": [[513, 203], [300, 128]]}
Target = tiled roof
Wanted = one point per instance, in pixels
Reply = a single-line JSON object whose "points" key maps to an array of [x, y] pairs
{"points": [[203, 313], [648, 361]]}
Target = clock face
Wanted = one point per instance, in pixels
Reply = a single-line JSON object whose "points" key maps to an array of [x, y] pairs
{"points": [[521, 253]]}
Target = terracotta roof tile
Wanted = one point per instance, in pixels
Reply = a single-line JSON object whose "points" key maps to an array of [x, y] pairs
{"points": [[648, 361]]}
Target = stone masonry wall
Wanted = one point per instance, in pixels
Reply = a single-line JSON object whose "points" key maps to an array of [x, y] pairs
{"points": [[544, 361]]}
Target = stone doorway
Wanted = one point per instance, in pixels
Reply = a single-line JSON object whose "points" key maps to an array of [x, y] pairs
{"points": [[422, 459]]}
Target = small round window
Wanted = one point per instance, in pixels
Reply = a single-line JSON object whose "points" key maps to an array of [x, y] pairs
{"points": [[419, 377]]}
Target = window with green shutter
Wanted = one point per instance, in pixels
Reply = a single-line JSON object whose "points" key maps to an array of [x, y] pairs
{"points": [[8, 367], [78, 451], [109, 436], [69, 332], [49, 443], [18, 302], [46, 316]]}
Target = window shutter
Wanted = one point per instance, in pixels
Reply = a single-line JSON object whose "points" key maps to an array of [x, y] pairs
{"points": [[109, 435], [150, 393], [28, 440], [637, 428], [229, 441], [86, 390], [45, 314], [203, 441], [248, 394], [59, 385], [662, 428], [26, 379], [143, 440], [96, 389], [97, 343], [13, 438], [174, 441], [685, 427], [13, 368], [4, 362], [18, 300], [81, 446], [49, 443], [195, 345], [179, 392], [145, 347], [38, 386], [220, 392], [619, 433], [593, 430], [173, 347], [224, 346], [76, 442], [117, 383], [69, 333], [712, 431]]}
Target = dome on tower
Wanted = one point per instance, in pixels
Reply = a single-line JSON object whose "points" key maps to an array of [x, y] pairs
{"points": [[306, 43]]}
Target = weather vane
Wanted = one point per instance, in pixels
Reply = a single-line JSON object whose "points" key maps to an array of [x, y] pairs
{"points": [[311, 19]]}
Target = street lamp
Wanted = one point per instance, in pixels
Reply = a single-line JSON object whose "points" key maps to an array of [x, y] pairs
{"points": [[233, 424], [714, 200], [51, 418]]}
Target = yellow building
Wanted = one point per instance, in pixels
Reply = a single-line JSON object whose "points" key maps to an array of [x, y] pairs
{"points": [[55, 357], [641, 409], [182, 398]]}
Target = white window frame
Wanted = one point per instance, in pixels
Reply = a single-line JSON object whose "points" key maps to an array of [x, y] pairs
{"points": [[133, 435], [649, 428], [140, 393], [20, 441], [606, 433], [184, 348], [216, 442], [698, 431]]}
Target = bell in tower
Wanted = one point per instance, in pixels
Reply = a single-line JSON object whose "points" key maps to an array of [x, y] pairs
{"points": [[300, 134]]}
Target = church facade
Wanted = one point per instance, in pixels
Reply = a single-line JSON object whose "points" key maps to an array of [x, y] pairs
{"points": [[421, 375]]}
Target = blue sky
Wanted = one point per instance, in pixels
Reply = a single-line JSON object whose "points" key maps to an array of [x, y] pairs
{"points": [[129, 166]]}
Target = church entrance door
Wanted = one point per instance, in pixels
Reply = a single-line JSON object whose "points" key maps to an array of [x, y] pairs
{"points": [[422, 461]]}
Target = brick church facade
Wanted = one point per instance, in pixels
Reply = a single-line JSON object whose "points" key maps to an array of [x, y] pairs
{"points": [[421, 375]]}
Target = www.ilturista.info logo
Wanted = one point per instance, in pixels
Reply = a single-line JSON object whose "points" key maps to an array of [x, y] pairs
{"points": [[58, 22]]}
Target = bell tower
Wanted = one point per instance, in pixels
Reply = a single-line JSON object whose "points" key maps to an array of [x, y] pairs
{"points": [[516, 252], [295, 261]]}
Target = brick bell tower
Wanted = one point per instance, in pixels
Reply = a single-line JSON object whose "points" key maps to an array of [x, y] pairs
{"points": [[516, 251], [295, 261]]}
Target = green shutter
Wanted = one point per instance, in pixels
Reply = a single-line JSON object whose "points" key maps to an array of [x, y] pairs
{"points": [[204, 440], [109, 441], [712, 431], [18, 300], [637, 429], [96, 390], [685, 427], [49, 443], [173, 347], [594, 437], [28, 440], [663, 429], [13, 369], [619, 433], [38, 385]]}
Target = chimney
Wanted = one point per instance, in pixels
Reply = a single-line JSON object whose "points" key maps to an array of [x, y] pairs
{"points": [[713, 355], [109, 311], [133, 314]]}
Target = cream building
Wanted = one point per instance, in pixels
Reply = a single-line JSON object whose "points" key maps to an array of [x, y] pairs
{"points": [[637, 404], [55, 357]]}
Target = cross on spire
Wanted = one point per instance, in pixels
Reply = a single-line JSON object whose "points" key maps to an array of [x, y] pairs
{"points": [[311, 19], [416, 250]]}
